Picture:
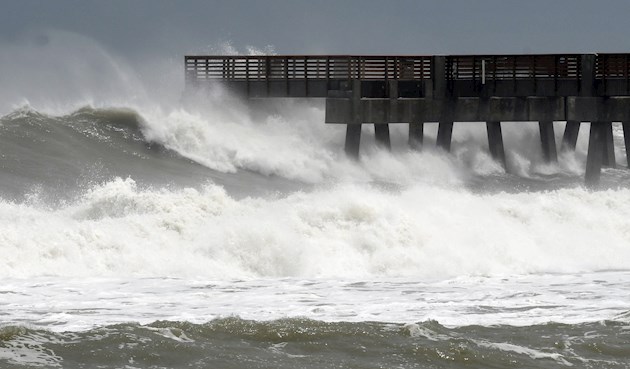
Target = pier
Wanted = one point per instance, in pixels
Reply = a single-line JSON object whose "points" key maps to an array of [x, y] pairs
{"points": [[414, 90]]}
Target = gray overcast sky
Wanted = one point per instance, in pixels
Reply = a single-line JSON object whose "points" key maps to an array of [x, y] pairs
{"points": [[135, 28]]}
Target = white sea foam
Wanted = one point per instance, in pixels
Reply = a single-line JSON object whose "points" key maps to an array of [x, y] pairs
{"points": [[345, 230], [534, 354], [29, 351], [71, 304]]}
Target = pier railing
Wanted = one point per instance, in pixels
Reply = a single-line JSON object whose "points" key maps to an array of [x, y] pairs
{"points": [[466, 67], [465, 75], [256, 68], [612, 73], [612, 66], [512, 67]]}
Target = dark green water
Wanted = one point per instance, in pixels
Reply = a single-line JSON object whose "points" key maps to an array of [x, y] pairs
{"points": [[301, 343]]}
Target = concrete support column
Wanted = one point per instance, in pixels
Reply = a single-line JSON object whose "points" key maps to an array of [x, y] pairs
{"points": [[353, 140], [609, 148], [353, 130], [416, 135], [594, 159], [445, 133], [381, 133], [445, 126], [571, 131], [626, 140], [495, 142], [548, 141]]}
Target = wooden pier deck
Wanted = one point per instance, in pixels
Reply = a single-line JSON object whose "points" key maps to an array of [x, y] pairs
{"points": [[382, 89]]}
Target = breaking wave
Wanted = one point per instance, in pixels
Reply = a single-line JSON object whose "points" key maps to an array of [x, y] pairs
{"points": [[235, 192]]}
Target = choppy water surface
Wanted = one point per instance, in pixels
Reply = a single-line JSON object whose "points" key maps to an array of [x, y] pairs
{"points": [[525, 321], [302, 343]]}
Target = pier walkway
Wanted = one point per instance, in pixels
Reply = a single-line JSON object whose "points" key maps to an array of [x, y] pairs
{"points": [[381, 89]]}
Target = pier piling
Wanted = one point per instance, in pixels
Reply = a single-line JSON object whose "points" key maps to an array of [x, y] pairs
{"points": [[626, 140], [571, 131], [495, 142], [594, 159], [353, 140], [381, 133], [416, 135], [548, 141], [444, 136], [608, 159]]}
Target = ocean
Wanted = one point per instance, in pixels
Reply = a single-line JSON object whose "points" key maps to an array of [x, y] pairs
{"points": [[213, 234]]}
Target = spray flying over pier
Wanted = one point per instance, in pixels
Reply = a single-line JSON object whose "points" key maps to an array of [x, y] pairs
{"points": [[382, 89]]}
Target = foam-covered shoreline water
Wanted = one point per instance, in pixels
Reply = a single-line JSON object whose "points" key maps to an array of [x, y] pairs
{"points": [[578, 320], [78, 304]]}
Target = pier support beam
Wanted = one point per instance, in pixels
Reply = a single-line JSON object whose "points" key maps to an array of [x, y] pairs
{"points": [[548, 141], [626, 140], [416, 135], [495, 142], [353, 140], [609, 148], [381, 133], [444, 135], [594, 159], [353, 131], [571, 131]]}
